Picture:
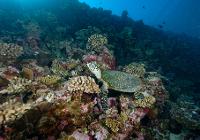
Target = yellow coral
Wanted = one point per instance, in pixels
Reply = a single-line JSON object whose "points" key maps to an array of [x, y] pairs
{"points": [[114, 125], [96, 41], [123, 117], [146, 101], [135, 69], [49, 80], [82, 84]]}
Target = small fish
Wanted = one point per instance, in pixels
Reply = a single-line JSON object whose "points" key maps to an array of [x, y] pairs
{"points": [[143, 7]]}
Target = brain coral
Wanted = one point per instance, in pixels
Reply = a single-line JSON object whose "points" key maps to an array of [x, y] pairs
{"points": [[9, 52], [82, 84]]}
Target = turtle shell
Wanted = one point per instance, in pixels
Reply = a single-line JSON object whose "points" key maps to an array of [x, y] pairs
{"points": [[121, 81]]}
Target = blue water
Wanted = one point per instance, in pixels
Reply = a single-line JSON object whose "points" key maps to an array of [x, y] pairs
{"points": [[181, 16]]}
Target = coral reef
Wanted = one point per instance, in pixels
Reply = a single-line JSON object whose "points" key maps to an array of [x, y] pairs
{"points": [[186, 113], [105, 59], [9, 52], [60, 79], [17, 85]]}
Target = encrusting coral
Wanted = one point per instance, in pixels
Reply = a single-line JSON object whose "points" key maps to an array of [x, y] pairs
{"points": [[82, 84], [9, 52]]}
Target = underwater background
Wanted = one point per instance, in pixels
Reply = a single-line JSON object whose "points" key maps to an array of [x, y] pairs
{"points": [[71, 71]]}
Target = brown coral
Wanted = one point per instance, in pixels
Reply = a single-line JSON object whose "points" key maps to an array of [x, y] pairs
{"points": [[28, 73], [82, 84]]}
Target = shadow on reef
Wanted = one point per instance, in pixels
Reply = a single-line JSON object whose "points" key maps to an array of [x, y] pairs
{"points": [[64, 69]]}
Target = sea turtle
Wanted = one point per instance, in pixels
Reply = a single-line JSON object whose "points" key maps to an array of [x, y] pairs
{"points": [[121, 81], [116, 80]]}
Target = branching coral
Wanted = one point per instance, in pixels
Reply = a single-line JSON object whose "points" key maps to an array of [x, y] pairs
{"points": [[136, 69], [96, 41], [17, 85], [146, 101], [113, 125], [9, 52], [82, 84], [49, 80], [12, 110]]}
